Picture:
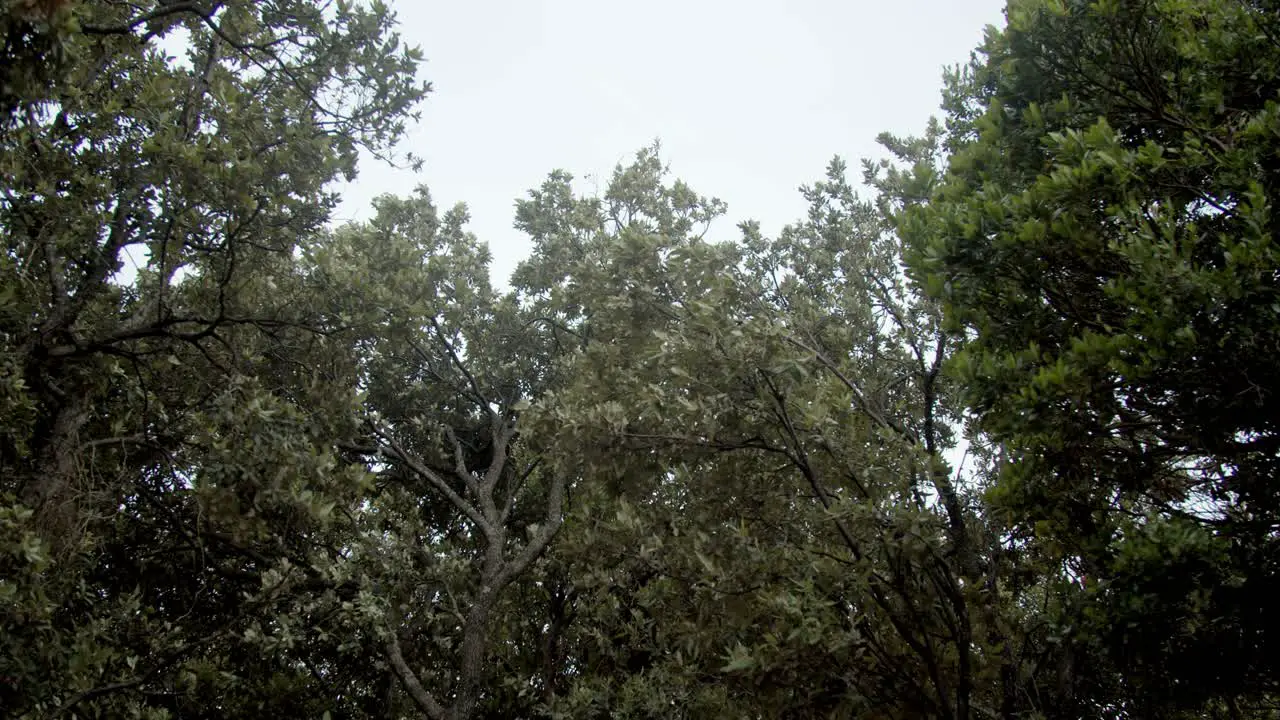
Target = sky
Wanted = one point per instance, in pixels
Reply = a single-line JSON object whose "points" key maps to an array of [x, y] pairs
{"points": [[748, 99]]}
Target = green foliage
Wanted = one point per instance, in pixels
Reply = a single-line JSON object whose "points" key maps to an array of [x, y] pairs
{"points": [[1104, 236], [253, 465], [170, 402], [765, 525]]}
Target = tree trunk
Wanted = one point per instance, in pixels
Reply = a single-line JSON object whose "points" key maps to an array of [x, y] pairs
{"points": [[48, 489]]}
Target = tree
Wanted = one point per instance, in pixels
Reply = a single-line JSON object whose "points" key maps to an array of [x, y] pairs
{"points": [[767, 526], [33, 36], [254, 465], [169, 402], [464, 500], [1104, 238]]}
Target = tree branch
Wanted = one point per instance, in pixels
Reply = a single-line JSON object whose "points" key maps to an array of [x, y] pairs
{"points": [[424, 699], [435, 480], [858, 395], [538, 543]]}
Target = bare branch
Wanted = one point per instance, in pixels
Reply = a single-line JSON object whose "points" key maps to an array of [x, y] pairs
{"points": [[414, 464], [460, 463], [97, 692], [462, 367], [502, 435], [859, 397], [165, 10], [538, 543], [424, 699], [509, 503]]}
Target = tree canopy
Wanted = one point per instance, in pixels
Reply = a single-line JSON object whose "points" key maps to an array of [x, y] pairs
{"points": [[989, 435]]}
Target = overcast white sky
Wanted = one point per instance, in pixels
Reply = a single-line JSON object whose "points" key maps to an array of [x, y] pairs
{"points": [[749, 99]]}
